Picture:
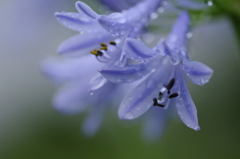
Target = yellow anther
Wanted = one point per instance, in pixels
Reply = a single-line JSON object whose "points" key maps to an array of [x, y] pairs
{"points": [[103, 48], [112, 43], [94, 52], [103, 45]]}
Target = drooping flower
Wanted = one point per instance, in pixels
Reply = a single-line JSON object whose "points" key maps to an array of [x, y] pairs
{"points": [[83, 86], [164, 68]]}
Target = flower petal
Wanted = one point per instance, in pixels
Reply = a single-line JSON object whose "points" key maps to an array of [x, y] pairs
{"points": [[82, 44], [78, 22], [137, 50], [71, 99], [185, 106], [114, 24], [155, 123], [94, 120], [139, 99], [198, 72], [97, 82], [86, 10], [126, 74], [66, 70], [177, 37]]}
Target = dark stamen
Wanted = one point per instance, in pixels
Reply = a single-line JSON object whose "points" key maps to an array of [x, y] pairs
{"points": [[170, 84], [173, 95], [112, 43], [99, 53], [160, 93], [168, 92], [155, 103], [160, 105]]}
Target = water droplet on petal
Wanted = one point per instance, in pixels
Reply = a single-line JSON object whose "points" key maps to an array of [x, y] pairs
{"points": [[91, 93], [209, 3], [153, 70], [196, 128], [128, 116], [189, 35], [118, 80], [153, 15], [174, 61], [160, 10]]}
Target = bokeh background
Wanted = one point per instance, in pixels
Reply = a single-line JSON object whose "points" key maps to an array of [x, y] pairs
{"points": [[31, 129]]}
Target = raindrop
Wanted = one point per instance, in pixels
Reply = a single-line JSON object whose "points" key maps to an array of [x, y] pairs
{"points": [[209, 3], [196, 127], [174, 61], [91, 93], [189, 35], [160, 10], [128, 116], [118, 80], [153, 70], [153, 15]]}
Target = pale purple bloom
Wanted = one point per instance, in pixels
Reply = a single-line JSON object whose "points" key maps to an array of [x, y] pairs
{"points": [[163, 67], [95, 29], [83, 86]]}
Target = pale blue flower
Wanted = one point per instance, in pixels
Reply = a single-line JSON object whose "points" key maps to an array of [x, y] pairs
{"points": [[102, 36], [163, 68], [95, 29]]}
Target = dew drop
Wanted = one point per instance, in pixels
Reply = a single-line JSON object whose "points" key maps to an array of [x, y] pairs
{"points": [[153, 70], [160, 10], [91, 93], [189, 35], [153, 15], [196, 128], [128, 116], [118, 80], [117, 41], [174, 61], [209, 3]]}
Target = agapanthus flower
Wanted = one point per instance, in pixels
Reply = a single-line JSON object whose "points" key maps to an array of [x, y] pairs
{"points": [[95, 29], [100, 36], [163, 69]]}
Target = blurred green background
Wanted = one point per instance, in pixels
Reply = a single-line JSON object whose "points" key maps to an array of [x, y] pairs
{"points": [[30, 127]]}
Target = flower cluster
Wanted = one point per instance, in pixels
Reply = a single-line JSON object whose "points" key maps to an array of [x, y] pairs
{"points": [[155, 76]]}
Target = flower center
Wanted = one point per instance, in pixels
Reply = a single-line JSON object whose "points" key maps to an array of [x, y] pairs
{"points": [[103, 54], [158, 101]]}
